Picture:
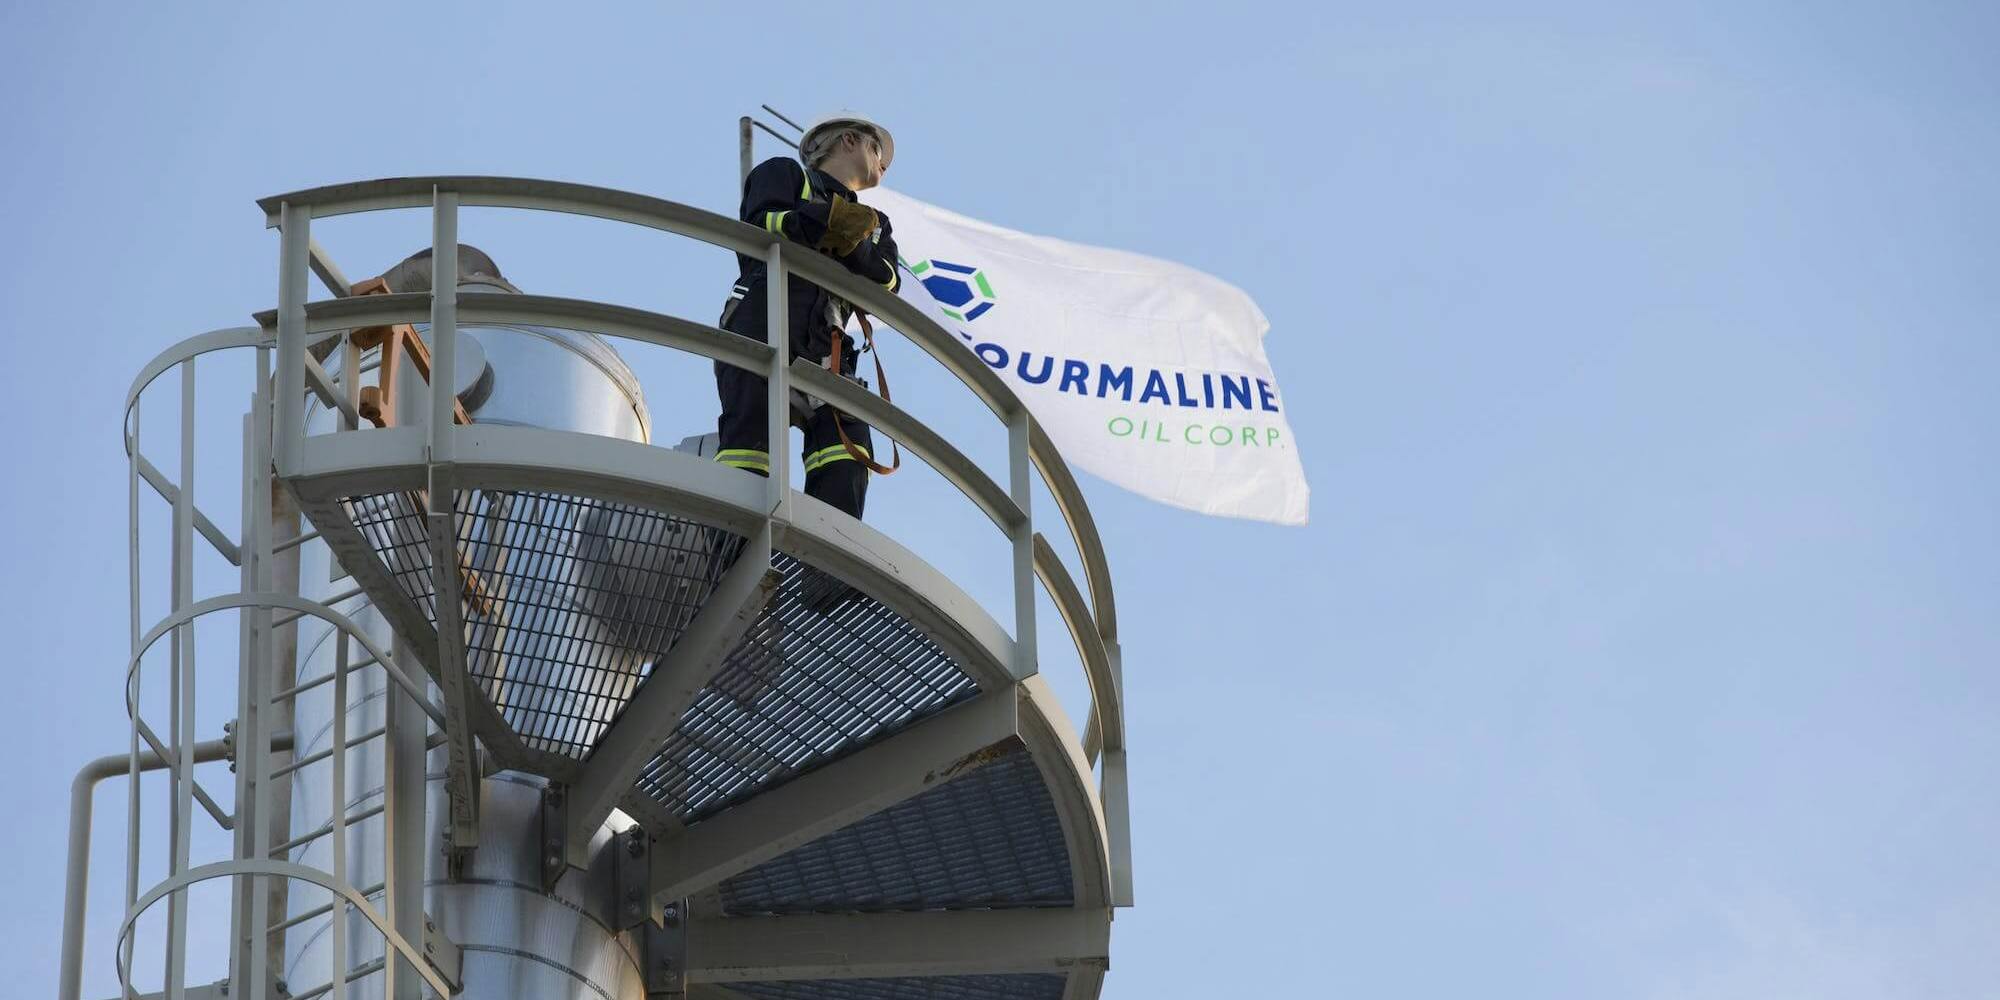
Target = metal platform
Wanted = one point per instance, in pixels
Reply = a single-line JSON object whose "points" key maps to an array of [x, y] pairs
{"points": [[849, 780]]}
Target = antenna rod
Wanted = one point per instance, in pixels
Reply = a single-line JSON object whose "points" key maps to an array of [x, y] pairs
{"points": [[782, 118], [774, 134]]}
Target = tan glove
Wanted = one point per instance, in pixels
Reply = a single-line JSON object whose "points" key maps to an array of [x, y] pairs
{"points": [[847, 224]]}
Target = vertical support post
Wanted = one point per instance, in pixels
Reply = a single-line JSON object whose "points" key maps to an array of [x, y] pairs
{"points": [[403, 826], [1019, 470], [461, 779], [132, 754], [183, 695], [294, 256], [338, 832], [277, 661], [243, 935], [1115, 791], [444, 321], [743, 140], [778, 394]]}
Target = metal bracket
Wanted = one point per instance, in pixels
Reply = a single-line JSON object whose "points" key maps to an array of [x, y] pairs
{"points": [[666, 953], [555, 834], [634, 874], [443, 955]]}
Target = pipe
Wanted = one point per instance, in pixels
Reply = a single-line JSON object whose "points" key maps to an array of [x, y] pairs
{"points": [[77, 880]]}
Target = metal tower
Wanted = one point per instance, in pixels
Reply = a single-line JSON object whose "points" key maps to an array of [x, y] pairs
{"points": [[526, 706]]}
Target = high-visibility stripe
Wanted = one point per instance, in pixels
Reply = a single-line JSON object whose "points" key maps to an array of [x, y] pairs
{"points": [[837, 453], [806, 192], [775, 222], [894, 280], [745, 458]]}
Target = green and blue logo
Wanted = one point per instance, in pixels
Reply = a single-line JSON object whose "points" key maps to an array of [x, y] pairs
{"points": [[962, 292]]}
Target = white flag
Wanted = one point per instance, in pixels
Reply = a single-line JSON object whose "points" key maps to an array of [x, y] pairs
{"points": [[1144, 372]]}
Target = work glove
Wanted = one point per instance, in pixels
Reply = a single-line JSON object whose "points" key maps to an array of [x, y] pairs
{"points": [[847, 224]]}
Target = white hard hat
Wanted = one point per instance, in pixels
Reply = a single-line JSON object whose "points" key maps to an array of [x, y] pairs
{"points": [[849, 119]]}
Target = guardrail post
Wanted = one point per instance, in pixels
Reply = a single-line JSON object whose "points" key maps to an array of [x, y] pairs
{"points": [[294, 253], [444, 322], [778, 392], [1019, 428]]}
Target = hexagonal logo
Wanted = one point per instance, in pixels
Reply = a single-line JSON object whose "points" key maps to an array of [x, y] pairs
{"points": [[962, 291]]}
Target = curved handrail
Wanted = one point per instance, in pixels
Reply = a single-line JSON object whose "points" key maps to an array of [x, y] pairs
{"points": [[275, 599], [657, 213], [279, 869], [193, 347], [730, 234]]}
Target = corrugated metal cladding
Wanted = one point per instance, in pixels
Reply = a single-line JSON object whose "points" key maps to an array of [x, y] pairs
{"points": [[822, 672], [989, 839], [1036, 986]]}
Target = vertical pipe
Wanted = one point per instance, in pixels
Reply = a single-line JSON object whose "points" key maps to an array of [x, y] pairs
{"points": [[294, 252], [444, 324], [743, 147], [1019, 428], [778, 329]]}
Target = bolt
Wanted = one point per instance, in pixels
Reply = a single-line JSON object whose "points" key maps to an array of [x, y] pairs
{"points": [[671, 914], [428, 925], [635, 844]]}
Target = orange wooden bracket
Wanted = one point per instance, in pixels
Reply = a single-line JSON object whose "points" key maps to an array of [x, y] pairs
{"points": [[377, 403]]}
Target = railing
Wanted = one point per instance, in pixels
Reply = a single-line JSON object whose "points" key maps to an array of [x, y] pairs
{"points": [[1092, 624], [254, 738]]}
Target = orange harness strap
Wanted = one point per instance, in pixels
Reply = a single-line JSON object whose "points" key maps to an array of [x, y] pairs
{"points": [[882, 381]]}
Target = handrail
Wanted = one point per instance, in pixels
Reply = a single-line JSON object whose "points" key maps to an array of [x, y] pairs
{"points": [[656, 213], [730, 234]]}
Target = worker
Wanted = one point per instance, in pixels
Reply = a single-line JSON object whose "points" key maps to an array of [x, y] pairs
{"points": [[810, 202]]}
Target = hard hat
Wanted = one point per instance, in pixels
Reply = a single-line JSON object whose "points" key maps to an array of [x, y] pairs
{"points": [[849, 119]]}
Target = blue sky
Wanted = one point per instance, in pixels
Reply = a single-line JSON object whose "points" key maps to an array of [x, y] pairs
{"points": [[1642, 361]]}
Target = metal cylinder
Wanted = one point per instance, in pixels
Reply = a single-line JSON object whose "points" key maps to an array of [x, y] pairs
{"points": [[515, 938]]}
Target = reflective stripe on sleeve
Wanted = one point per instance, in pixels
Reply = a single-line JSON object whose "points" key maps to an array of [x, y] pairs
{"points": [[774, 222]]}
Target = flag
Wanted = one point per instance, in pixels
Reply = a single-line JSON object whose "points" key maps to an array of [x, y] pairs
{"points": [[1145, 373]]}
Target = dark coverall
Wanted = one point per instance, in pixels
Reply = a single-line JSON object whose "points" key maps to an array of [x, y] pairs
{"points": [[783, 196]]}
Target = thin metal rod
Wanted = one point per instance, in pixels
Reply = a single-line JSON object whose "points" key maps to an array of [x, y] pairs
{"points": [[167, 491], [361, 971], [339, 849], [304, 686], [774, 134], [310, 759], [292, 616], [1019, 431], [132, 800], [182, 729], [782, 118], [743, 150], [444, 323], [292, 543], [319, 911], [338, 824], [778, 402]]}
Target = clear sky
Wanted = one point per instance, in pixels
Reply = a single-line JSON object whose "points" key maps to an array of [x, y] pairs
{"points": [[1642, 357]]}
